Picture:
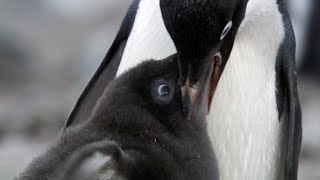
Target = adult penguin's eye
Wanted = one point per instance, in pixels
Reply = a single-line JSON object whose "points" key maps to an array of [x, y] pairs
{"points": [[163, 91], [226, 30]]}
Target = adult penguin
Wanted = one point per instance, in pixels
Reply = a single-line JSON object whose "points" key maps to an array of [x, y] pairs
{"points": [[139, 123], [255, 114]]}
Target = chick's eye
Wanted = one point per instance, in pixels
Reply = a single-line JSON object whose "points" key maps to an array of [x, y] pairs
{"points": [[163, 90]]}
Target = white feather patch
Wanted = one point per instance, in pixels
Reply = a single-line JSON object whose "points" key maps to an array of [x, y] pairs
{"points": [[148, 39]]}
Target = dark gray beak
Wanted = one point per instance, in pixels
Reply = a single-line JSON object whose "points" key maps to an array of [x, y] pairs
{"points": [[203, 89]]}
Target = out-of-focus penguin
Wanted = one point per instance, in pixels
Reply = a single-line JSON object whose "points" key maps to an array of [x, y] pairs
{"points": [[140, 131], [310, 57], [255, 117], [306, 20]]}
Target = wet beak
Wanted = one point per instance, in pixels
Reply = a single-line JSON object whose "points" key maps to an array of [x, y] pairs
{"points": [[202, 91]]}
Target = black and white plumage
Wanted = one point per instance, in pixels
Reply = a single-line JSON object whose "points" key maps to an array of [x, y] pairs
{"points": [[255, 116], [140, 125]]}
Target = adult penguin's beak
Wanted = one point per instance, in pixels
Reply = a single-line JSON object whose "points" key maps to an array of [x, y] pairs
{"points": [[198, 79]]}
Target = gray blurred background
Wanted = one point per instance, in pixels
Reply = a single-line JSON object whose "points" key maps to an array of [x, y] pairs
{"points": [[49, 49]]}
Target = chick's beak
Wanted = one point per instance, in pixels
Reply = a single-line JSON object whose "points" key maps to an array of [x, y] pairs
{"points": [[201, 92]]}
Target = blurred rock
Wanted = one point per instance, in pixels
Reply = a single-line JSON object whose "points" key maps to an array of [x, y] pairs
{"points": [[15, 67], [84, 10], [309, 89], [16, 152]]}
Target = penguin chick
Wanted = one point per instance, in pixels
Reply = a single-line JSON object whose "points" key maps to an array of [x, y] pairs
{"points": [[141, 131]]}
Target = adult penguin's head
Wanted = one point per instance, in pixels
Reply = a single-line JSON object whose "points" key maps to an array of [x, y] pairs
{"points": [[203, 31]]}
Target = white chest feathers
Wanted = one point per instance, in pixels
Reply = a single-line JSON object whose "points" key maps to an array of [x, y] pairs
{"points": [[247, 136], [148, 39]]}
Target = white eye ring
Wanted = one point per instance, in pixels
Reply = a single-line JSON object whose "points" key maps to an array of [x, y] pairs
{"points": [[226, 30]]}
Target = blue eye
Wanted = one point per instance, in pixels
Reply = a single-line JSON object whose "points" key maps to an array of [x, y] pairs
{"points": [[163, 90]]}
